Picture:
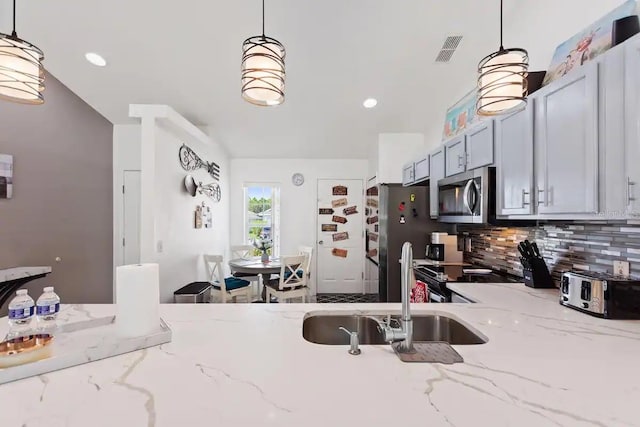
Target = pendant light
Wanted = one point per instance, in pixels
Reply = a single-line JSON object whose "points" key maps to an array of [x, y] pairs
{"points": [[21, 71], [263, 69], [502, 81]]}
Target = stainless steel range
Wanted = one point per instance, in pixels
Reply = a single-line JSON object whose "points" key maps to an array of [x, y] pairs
{"points": [[437, 276]]}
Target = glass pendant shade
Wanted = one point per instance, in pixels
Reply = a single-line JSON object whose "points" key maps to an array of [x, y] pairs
{"points": [[263, 71], [21, 71], [502, 82]]}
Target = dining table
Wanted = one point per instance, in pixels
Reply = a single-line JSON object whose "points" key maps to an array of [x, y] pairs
{"points": [[256, 267]]}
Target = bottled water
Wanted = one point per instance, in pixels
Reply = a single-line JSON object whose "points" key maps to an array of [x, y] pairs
{"points": [[21, 310], [47, 309]]}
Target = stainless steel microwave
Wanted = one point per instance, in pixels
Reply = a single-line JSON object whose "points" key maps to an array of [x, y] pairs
{"points": [[468, 197]]}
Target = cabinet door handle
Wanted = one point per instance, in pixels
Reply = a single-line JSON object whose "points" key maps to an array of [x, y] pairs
{"points": [[525, 193], [541, 200], [630, 197]]}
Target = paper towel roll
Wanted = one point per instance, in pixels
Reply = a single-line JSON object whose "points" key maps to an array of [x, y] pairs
{"points": [[137, 300]]}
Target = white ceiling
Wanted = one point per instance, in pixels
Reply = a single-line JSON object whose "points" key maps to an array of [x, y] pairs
{"points": [[187, 54]]}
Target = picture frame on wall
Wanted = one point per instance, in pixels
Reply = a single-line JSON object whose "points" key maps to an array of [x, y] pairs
{"points": [[588, 44], [460, 115], [6, 176]]}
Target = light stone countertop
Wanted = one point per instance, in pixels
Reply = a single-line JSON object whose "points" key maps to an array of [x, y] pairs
{"points": [[9, 274], [248, 365]]}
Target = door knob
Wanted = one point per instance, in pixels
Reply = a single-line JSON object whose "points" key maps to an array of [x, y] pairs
{"points": [[321, 242]]}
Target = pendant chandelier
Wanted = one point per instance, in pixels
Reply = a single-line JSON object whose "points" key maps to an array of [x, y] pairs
{"points": [[263, 69], [502, 81], [21, 71]]}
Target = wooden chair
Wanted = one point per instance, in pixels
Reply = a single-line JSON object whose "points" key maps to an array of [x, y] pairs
{"points": [[292, 281], [227, 287]]}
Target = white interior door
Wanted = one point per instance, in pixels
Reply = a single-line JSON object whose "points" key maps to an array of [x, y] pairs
{"points": [[131, 217], [340, 232]]}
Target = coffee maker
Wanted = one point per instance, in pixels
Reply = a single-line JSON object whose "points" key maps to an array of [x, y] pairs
{"points": [[443, 250]]}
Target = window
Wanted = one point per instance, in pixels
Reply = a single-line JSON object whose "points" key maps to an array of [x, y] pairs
{"points": [[262, 215]]}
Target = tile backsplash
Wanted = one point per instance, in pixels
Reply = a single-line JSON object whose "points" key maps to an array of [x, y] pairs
{"points": [[564, 246]]}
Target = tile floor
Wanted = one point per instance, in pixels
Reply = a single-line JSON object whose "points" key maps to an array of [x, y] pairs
{"points": [[347, 298]]}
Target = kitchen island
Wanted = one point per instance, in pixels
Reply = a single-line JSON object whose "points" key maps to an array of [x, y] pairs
{"points": [[248, 365]]}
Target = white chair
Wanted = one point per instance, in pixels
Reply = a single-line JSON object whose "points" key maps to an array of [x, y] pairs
{"points": [[245, 252], [292, 282], [241, 251], [308, 251], [227, 287]]}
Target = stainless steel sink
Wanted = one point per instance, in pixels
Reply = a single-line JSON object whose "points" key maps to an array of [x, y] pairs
{"points": [[323, 329]]}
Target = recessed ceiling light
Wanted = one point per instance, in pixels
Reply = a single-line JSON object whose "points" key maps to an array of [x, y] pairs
{"points": [[95, 59], [370, 103]]}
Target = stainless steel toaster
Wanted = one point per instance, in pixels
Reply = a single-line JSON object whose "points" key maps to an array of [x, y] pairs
{"points": [[601, 295]]}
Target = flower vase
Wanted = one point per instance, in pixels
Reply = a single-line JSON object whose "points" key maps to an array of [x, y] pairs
{"points": [[264, 258]]}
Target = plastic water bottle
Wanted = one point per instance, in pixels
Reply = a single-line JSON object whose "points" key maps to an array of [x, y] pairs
{"points": [[47, 309], [21, 311]]}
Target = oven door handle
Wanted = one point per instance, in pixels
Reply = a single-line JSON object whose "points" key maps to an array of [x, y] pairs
{"points": [[433, 297], [465, 195]]}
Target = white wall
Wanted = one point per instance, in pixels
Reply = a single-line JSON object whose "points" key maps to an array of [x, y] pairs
{"points": [[298, 204], [183, 245], [173, 209], [392, 150], [126, 156]]}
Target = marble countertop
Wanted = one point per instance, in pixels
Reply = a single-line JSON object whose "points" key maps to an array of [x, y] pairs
{"points": [[22, 272], [248, 365]]}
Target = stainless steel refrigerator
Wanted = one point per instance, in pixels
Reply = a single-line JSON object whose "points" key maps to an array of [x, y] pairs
{"points": [[394, 215]]}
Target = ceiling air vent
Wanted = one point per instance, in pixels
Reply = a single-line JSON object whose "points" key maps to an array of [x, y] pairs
{"points": [[450, 45]]}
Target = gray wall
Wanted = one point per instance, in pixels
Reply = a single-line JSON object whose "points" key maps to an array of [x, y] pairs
{"points": [[62, 198]]}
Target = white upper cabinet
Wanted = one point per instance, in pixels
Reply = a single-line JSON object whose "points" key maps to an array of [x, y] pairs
{"points": [[631, 184], [514, 160], [480, 145], [566, 144], [421, 169], [407, 174], [456, 157], [437, 166]]}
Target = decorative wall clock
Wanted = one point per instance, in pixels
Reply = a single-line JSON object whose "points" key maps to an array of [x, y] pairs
{"points": [[297, 179]]}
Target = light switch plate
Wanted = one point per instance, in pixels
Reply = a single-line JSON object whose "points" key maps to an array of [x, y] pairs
{"points": [[621, 268]]}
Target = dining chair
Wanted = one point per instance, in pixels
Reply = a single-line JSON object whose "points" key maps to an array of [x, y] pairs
{"points": [[292, 281], [245, 251], [308, 251], [227, 287]]}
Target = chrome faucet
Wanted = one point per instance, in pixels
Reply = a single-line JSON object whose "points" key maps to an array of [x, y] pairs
{"points": [[403, 334]]}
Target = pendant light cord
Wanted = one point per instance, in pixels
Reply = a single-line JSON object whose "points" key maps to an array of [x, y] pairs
{"points": [[501, 45], [262, 17], [14, 19]]}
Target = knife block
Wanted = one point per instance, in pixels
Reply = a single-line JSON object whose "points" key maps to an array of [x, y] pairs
{"points": [[538, 275]]}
